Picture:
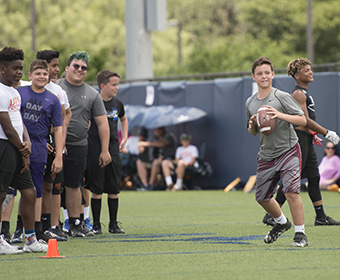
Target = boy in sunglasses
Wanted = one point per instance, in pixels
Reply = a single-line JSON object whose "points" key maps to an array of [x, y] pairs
{"points": [[85, 103]]}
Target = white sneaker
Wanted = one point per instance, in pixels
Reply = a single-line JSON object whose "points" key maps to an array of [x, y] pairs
{"points": [[34, 246], [177, 188], [7, 249]]}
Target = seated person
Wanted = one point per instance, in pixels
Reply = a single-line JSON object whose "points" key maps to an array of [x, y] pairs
{"points": [[329, 168], [164, 144], [186, 156]]}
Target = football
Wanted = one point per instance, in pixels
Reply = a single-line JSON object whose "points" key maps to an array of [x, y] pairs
{"points": [[265, 124]]}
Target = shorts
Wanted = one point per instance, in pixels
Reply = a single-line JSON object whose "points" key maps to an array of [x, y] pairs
{"points": [[309, 164], [57, 180], [37, 170], [74, 165], [10, 168], [286, 167], [103, 180]]}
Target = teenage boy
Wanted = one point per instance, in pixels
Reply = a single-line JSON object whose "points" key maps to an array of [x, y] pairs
{"points": [[107, 179], [301, 70], [279, 155], [186, 156], [15, 149], [85, 103], [40, 109], [52, 186]]}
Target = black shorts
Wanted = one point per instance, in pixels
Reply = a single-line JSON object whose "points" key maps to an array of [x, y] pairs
{"points": [[74, 166], [10, 167], [57, 180], [309, 163], [103, 180]]}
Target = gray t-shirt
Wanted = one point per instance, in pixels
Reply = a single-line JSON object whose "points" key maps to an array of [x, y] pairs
{"points": [[283, 137], [85, 102]]}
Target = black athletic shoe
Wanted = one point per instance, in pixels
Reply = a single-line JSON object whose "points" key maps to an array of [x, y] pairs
{"points": [[326, 221], [41, 236], [97, 228], [300, 240], [114, 228], [75, 231], [277, 230], [56, 233], [84, 229], [268, 220], [17, 237], [7, 237]]}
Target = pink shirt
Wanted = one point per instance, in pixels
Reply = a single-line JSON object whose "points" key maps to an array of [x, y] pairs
{"points": [[329, 168]]}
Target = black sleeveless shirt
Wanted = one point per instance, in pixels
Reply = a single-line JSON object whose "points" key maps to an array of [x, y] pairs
{"points": [[309, 101]]}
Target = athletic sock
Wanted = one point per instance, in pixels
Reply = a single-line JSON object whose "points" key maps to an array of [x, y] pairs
{"points": [[38, 226], [113, 209], [96, 205], [168, 180], [20, 224], [179, 183], [29, 233], [46, 221], [4, 227], [281, 219], [320, 213], [65, 214], [86, 212], [82, 216], [300, 228], [74, 221]]}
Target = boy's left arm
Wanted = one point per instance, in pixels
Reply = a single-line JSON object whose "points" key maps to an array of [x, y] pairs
{"points": [[293, 119], [124, 130], [57, 164]]}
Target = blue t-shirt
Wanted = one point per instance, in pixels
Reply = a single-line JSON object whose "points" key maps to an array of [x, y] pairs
{"points": [[39, 111]]}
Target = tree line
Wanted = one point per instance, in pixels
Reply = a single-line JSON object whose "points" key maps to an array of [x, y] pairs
{"points": [[215, 35]]}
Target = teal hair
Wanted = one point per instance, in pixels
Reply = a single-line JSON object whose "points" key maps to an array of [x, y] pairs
{"points": [[79, 55]]}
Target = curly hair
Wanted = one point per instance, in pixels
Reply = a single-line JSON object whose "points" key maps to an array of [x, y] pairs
{"points": [[295, 65], [8, 54]]}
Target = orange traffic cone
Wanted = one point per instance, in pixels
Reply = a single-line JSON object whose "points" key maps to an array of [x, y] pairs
{"points": [[52, 250]]}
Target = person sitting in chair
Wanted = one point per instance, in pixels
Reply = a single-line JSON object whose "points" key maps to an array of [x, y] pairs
{"points": [[186, 157]]}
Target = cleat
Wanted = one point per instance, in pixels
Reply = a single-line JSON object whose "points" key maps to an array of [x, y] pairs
{"points": [[114, 228], [34, 246], [88, 223], [97, 228], [53, 233], [170, 187], [75, 231], [300, 240], [7, 237], [17, 237], [276, 231], [7, 249], [66, 226], [268, 220], [41, 236], [326, 221], [85, 230]]}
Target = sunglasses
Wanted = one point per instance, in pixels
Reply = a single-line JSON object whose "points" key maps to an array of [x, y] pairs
{"points": [[77, 66], [330, 148]]}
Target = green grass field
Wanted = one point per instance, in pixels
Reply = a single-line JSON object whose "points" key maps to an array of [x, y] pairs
{"points": [[190, 235]]}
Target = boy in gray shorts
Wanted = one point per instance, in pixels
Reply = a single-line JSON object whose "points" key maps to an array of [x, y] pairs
{"points": [[279, 156]]}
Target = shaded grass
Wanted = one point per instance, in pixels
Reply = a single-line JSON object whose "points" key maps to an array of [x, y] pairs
{"points": [[190, 235]]}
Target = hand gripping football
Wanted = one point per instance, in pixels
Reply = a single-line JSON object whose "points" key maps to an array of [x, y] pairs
{"points": [[265, 123]]}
